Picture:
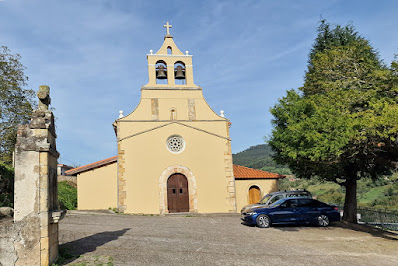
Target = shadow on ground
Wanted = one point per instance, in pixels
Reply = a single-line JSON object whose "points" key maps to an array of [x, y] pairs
{"points": [[376, 232], [390, 235], [70, 251], [292, 227]]}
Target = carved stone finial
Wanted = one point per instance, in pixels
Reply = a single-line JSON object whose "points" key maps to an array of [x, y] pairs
{"points": [[44, 97]]}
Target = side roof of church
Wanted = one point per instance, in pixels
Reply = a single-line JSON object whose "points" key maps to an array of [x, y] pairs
{"points": [[91, 166]]}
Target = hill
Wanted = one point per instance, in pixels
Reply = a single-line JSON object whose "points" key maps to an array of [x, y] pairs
{"points": [[259, 157], [382, 193]]}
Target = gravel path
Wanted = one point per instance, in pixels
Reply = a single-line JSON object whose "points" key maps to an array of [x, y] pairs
{"points": [[219, 240]]}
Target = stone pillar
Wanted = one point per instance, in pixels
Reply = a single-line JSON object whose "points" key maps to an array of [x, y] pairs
{"points": [[229, 175], [121, 176], [36, 193]]}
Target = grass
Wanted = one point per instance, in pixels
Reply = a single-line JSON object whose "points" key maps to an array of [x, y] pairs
{"points": [[115, 210], [323, 188], [373, 194], [65, 257], [67, 196]]}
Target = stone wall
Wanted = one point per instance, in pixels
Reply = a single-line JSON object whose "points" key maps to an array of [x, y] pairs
{"points": [[68, 178]]}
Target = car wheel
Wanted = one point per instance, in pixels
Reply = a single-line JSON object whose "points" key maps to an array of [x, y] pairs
{"points": [[263, 221], [322, 220]]}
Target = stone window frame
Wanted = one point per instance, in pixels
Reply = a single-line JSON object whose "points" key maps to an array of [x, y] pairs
{"points": [[192, 188], [181, 148]]}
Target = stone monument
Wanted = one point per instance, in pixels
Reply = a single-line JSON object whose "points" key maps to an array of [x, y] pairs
{"points": [[34, 233]]}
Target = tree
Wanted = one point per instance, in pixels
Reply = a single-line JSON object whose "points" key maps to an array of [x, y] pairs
{"points": [[6, 186], [15, 101], [342, 124]]}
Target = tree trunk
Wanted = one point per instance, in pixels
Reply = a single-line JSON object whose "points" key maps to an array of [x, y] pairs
{"points": [[350, 203]]}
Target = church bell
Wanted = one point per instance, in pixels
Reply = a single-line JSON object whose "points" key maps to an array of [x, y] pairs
{"points": [[179, 73], [160, 73]]}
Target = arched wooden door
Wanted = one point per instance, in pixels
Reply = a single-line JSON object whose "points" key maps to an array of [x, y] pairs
{"points": [[254, 194], [177, 193]]}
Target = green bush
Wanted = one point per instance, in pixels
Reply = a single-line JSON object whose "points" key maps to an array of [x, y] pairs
{"points": [[6, 185], [335, 196], [67, 196]]}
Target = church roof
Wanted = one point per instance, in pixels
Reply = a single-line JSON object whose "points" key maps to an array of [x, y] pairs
{"points": [[91, 166], [241, 172]]}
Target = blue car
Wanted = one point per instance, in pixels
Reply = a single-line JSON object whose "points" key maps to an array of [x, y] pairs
{"points": [[292, 211]]}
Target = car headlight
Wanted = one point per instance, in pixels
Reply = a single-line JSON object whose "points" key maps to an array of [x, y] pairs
{"points": [[251, 213]]}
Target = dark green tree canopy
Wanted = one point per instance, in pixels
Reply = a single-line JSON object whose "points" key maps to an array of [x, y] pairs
{"points": [[339, 54], [342, 124], [15, 101], [330, 38]]}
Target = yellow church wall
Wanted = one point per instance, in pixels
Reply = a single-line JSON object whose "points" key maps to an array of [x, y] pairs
{"points": [[203, 156], [141, 112], [243, 185], [169, 42], [168, 99], [97, 188], [141, 118], [130, 129]]}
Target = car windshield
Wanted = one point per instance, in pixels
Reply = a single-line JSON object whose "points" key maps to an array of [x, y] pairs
{"points": [[277, 203], [265, 199]]}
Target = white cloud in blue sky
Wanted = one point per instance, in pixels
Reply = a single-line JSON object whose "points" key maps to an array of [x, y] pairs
{"points": [[246, 54]]}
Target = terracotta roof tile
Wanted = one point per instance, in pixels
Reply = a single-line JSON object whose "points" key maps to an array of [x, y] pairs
{"points": [[91, 166], [242, 172]]}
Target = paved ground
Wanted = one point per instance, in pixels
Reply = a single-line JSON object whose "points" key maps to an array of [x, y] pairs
{"points": [[216, 240]]}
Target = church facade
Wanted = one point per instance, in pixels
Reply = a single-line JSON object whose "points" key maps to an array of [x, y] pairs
{"points": [[174, 151]]}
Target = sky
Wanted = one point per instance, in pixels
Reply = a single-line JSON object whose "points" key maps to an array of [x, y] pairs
{"points": [[246, 54]]}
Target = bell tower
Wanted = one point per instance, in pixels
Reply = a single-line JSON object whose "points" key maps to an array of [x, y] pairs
{"points": [[169, 67]]}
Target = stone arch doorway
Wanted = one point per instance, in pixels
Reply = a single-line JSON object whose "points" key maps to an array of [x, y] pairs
{"points": [[177, 193], [192, 189], [254, 194]]}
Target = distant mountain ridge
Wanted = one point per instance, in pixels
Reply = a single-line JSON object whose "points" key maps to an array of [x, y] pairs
{"points": [[259, 157]]}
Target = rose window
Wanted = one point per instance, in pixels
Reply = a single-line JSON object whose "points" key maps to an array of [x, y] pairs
{"points": [[175, 144]]}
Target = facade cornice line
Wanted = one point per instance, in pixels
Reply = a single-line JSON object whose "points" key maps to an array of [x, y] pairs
{"points": [[174, 122], [155, 65], [169, 55], [169, 120], [173, 88]]}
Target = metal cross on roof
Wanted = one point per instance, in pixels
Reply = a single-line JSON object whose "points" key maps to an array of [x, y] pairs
{"points": [[168, 26]]}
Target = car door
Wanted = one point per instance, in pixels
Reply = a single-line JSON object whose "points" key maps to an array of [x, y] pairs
{"points": [[287, 212], [308, 210]]}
